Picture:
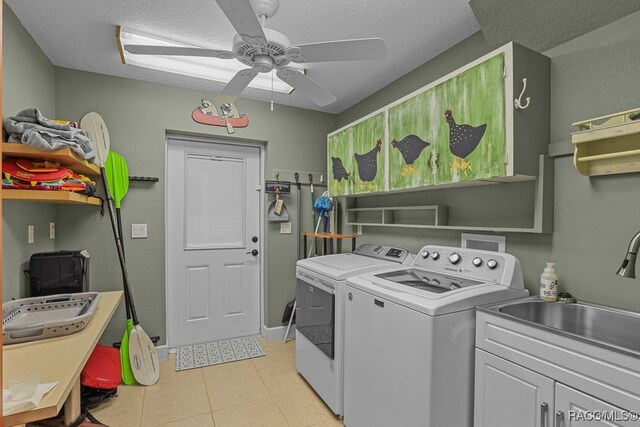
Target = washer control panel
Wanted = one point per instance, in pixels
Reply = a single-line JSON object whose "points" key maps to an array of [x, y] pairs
{"points": [[480, 265], [383, 252]]}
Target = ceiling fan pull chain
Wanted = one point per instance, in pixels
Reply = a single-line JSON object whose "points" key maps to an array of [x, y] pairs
{"points": [[271, 90]]}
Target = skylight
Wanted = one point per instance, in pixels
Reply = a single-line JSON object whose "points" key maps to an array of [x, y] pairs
{"points": [[215, 69]]}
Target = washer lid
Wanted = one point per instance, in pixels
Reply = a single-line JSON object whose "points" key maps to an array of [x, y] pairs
{"points": [[341, 266], [427, 281], [430, 302]]}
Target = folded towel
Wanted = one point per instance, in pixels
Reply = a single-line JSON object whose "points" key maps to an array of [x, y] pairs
{"points": [[30, 127]]}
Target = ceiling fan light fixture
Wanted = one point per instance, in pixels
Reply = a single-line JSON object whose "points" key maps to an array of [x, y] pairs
{"points": [[214, 69]]}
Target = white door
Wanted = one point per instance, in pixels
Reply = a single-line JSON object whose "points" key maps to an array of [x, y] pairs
{"points": [[213, 230]]}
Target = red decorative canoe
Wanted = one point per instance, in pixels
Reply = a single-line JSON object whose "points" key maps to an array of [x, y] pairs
{"points": [[206, 119]]}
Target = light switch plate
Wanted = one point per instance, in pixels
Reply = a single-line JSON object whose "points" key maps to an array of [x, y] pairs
{"points": [[30, 233], [138, 231], [52, 230], [285, 228]]}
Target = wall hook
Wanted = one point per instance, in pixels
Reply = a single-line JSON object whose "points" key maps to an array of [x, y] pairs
{"points": [[517, 103]]}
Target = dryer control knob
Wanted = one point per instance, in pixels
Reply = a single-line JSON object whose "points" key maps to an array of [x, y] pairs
{"points": [[454, 258], [435, 256], [492, 264], [477, 261], [424, 254]]}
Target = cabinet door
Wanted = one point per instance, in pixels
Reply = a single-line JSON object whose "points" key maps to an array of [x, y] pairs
{"points": [[576, 409], [508, 395]]}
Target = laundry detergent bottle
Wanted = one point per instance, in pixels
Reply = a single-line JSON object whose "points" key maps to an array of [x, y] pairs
{"points": [[549, 283]]}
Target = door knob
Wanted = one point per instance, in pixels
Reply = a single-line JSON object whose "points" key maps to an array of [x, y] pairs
{"points": [[253, 252]]}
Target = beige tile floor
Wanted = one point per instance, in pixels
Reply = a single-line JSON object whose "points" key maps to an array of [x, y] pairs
{"points": [[261, 392]]}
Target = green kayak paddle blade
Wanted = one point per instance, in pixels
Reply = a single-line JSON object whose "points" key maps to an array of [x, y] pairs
{"points": [[117, 176], [127, 372]]}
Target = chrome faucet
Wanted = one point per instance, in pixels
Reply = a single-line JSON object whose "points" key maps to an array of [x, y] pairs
{"points": [[628, 267]]}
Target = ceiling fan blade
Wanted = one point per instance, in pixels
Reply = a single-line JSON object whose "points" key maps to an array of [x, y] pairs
{"points": [[339, 50], [138, 49], [243, 18], [307, 87], [236, 85]]}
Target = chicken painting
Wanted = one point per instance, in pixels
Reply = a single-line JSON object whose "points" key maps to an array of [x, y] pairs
{"points": [[410, 147], [368, 165], [339, 171], [463, 139]]}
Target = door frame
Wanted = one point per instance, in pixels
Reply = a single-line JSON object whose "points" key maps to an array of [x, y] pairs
{"points": [[216, 140]]}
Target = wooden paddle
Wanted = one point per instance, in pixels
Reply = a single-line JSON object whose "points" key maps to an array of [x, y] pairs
{"points": [[143, 355], [118, 179]]}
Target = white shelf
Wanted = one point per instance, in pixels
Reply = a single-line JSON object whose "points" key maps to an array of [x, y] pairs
{"points": [[436, 216], [399, 216]]}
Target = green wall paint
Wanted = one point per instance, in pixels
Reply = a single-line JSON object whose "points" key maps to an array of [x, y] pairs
{"points": [[594, 218], [138, 116], [29, 81]]}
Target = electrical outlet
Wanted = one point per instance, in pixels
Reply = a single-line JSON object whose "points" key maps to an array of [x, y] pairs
{"points": [[52, 230], [138, 231], [30, 233]]}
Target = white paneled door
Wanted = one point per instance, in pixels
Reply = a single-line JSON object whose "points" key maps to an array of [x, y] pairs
{"points": [[213, 230]]}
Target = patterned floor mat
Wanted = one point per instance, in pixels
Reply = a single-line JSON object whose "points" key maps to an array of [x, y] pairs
{"points": [[213, 353]]}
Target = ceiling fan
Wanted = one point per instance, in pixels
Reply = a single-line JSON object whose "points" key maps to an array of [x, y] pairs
{"points": [[263, 50]]}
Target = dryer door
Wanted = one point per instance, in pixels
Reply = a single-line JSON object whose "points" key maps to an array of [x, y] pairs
{"points": [[315, 307]]}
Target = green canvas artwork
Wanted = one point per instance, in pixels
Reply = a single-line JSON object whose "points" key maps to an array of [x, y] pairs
{"points": [[356, 158], [452, 132]]}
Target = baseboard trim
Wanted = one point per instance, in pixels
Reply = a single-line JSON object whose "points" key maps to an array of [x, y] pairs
{"points": [[277, 333], [163, 351]]}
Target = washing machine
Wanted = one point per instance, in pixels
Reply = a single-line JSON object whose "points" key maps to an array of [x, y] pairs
{"points": [[410, 336], [320, 313]]}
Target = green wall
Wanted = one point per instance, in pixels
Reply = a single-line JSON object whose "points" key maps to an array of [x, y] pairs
{"points": [[28, 81], [594, 218], [138, 116]]}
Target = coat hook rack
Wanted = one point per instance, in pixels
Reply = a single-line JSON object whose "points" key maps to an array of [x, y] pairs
{"points": [[144, 178], [318, 178], [517, 103]]}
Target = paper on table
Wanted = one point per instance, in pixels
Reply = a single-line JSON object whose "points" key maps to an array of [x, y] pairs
{"points": [[10, 406]]}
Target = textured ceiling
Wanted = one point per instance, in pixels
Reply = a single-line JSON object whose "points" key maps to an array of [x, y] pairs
{"points": [[79, 34], [543, 24]]}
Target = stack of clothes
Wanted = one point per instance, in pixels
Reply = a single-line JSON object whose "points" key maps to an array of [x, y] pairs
{"points": [[29, 174]]}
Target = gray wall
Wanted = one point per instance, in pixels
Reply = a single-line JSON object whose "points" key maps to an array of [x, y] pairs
{"points": [[138, 116], [594, 218], [29, 81]]}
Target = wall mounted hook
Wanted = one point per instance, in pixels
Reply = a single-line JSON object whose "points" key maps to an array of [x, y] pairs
{"points": [[517, 103]]}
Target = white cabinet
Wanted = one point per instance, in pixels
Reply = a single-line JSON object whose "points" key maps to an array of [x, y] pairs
{"points": [[509, 395], [531, 377]]}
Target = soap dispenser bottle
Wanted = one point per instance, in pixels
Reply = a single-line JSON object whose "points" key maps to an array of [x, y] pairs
{"points": [[549, 283]]}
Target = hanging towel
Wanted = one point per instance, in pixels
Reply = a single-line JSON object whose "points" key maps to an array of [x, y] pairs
{"points": [[30, 127]]}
